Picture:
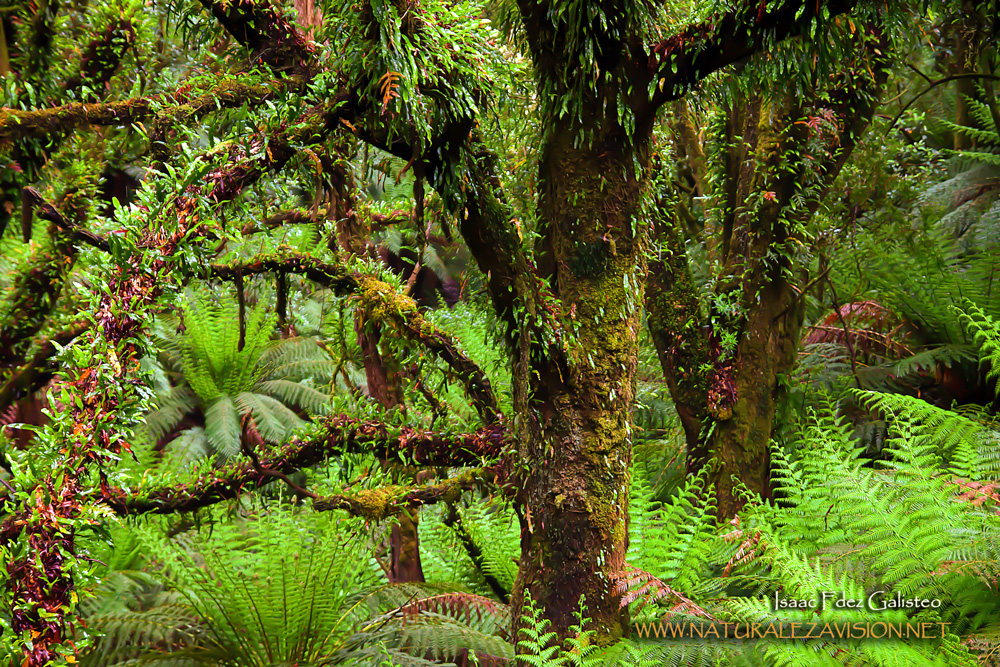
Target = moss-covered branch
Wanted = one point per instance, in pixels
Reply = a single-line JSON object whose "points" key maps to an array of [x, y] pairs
{"points": [[488, 224], [160, 110], [247, 163], [388, 501], [490, 230], [684, 59], [384, 303], [338, 435]]}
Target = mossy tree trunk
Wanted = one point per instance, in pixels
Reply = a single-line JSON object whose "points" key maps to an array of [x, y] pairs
{"points": [[724, 366], [576, 447], [573, 318]]}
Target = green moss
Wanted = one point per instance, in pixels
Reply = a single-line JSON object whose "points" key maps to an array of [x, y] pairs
{"points": [[373, 504]]}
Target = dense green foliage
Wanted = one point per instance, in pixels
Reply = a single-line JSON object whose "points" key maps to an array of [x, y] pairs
{"points": [[492, 333]]}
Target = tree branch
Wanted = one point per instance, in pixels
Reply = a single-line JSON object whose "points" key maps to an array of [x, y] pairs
{"points": [[342, 435], [675, 325], [382, 302], [33, 375], [268, 37], [32, 199], [270, 153], [487, 222], [162, 109], [935, 84], [387, 501], [684, 59]]}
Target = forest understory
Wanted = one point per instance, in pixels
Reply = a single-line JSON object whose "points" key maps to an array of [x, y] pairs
{"points": [[549, 333]]}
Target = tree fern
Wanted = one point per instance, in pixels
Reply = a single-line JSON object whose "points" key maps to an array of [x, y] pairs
{"points": [[268, 381], [673, 540], [272, 591], [431, 619], [908, 526]]}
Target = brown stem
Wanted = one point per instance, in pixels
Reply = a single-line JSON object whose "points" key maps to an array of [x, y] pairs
{"points": [[847, 331], [242, 302], [282, 306], [246, 444]]}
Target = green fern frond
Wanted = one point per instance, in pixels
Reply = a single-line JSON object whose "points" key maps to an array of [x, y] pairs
{"points": [[986, 333], [170, 410], [273, 590], [129, 634], [296, 393], [222, 426], [957, 438], [273, 419]]}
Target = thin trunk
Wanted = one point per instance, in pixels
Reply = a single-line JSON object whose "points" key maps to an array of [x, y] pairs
{"points": [[404, 541], [384, 389]]}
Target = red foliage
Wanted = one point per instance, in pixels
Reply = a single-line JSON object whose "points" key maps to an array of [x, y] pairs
{"points": [[872, 329]]}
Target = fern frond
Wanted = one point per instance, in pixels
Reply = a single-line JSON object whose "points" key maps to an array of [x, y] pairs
{"points": [[986, 333], [273, 419], [170, 410], [222, 426]]}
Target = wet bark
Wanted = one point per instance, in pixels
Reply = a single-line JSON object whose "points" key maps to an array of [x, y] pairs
{"points": [[576, 445], [404, 544], [727, 398]]}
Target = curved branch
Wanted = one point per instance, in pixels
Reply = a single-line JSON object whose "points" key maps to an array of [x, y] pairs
{"points": [[342, 435], [686, 58], [267, 36], [487, 221], [268, 153], [935, 84], [385, 303], [33, 200]]}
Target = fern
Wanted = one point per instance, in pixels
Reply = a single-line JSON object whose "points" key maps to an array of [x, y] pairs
{"points": [[272, 382], [986, 333], [473, 546], [965, 441], [673, 541], [423, 619], [275, 590]]}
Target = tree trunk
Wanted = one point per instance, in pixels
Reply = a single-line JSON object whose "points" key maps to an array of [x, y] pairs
{"points": [[726, 391], [742, 431], [576, 431], [404, 539]]}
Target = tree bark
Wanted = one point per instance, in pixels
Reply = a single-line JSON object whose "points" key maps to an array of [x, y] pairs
{"points": [[576, 430], [782, 158]]}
